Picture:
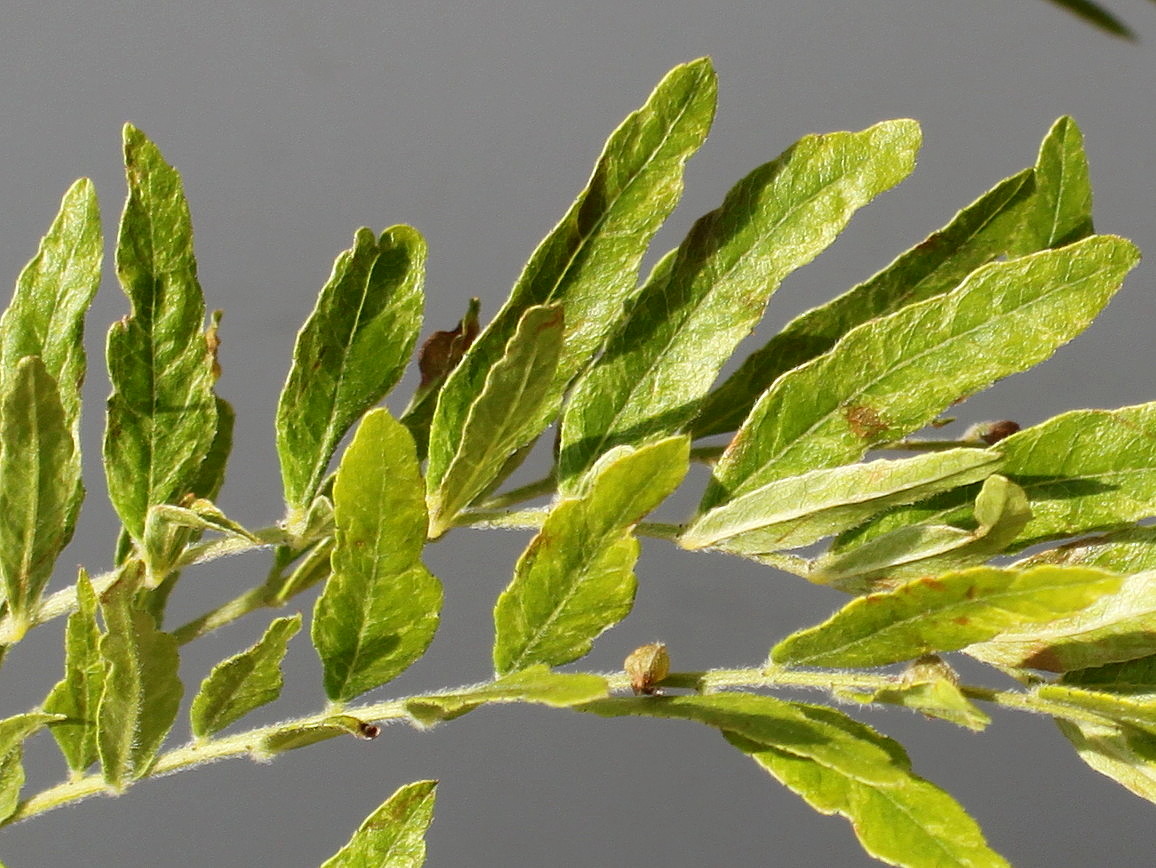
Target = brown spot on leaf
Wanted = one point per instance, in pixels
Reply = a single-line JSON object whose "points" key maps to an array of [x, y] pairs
{"points": [[864, 422], [443, 350]]}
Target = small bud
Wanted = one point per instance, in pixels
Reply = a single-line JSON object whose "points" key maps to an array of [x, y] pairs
{"points": [[647, 666]]}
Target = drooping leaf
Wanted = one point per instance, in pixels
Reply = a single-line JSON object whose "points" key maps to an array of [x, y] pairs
{"points": [[439, 355], [1004, 318], [687, 321], [162, 415], [142, 690], [1119, 626], [532, 684], [589, 262], [1061, 209], [379, 609], [942, 613], [351, 351], [1124, 753], [243, 682], [53, 293], [913, 823], [40, 481], [13, 731], [575, 579], [393, 836], [1098, 16], [77, 695], [975, 236], [500, 414], [1000, 514], [799, 510], [930, 687]]}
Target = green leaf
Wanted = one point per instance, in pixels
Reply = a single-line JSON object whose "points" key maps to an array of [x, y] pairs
{"points": [[351, 351], [1004, 318], [590, 261], [1001, 512], [1123, 753], [393, 836], [975, 236], [77, 695], [300, 735], [379, 609], [40, 482], [1133, 678], [243, 682], [212, 473], [575, 579], [943, 613], [162, 415], [688, 319], [930, 687], [13, 731], [1061, 209], [913, 823], [439, 355], [800, 510], [500, 415], [1116, 627], [53, 293], [142, 690], [533, 684], [1114, 707]]}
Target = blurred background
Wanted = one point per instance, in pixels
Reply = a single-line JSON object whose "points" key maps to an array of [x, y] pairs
{"points": [[293, 124]]}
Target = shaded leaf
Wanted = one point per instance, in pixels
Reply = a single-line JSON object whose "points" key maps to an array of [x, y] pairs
{"points": [[800, 510], [1098, 16], [77, 695], [393, 836], [162, 415], [379, 609], [142, 690], [532, 684], [439, 355], [1004, 318], [590, 260], [351, 351], [244, 681], [943, 613], [53, 293], [13, 731], [1061, 209], [39, 486], [500, 415], [1000, 514], [575, 579], [688, 319], [975, 236]]}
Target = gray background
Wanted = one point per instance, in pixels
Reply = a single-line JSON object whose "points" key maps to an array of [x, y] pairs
{"points": [[293, 124]]}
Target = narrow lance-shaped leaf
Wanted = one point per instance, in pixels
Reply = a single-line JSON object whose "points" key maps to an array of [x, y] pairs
{"points": [[1006, 317], [393, 836], [379, 609], [1097, 15], [1061, 209], [575, 579], [590, 261], [535, 684], [142, 690], [497, 423], [1113, 707], [53, 293], [351, 351], [243, 682], [13, 731], [1125, 754], [975, 236], [1001, 511], [1083, 471], [77, 695], [161, 415], [39, 481], [943, 613], [800, 510], [684, 325]]}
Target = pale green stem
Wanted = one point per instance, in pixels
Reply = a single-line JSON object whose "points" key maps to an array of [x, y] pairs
{"points": [[539, 487]]}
